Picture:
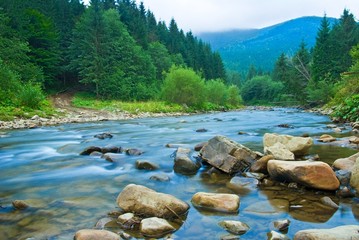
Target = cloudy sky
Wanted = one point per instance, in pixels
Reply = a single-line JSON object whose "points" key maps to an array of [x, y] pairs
{"points": [[213, 15]]}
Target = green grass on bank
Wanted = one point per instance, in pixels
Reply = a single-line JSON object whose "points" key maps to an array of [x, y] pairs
{"points": [[9, 113], [86, 100]]}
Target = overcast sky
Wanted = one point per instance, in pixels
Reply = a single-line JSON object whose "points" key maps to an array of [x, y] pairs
{"points": [[213, 15]]}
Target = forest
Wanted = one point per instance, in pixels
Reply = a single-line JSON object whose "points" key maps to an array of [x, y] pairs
{"points": [[117, 50], [328, 73]]}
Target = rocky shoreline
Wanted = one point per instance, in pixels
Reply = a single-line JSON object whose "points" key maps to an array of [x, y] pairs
{"points": [[78, 117], [69, 114]]}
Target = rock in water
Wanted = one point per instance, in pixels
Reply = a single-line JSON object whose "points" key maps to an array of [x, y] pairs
{"points": [[227, 155], [326, 138], [297, 145], [146, 165], [183, 163], [329, 202], [348, 232], [279, 151], [216, 201], [147, 202], [354, 180], [260, 166], [318, 175], [155, 227], [235, 227], [273, 235], [346, 163], [20, 204], [281, 225], [91, 234]]}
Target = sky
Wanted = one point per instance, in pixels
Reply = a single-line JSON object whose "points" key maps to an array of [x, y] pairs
{"points": [[218, 15]]}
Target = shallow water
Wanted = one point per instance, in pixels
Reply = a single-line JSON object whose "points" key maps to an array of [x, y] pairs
{"points": [[68, 192]]}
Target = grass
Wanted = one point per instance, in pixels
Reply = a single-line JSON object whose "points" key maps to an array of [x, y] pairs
{"points": [[9, 113], [88, 101]]}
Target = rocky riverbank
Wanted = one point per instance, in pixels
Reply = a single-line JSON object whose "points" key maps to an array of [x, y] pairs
{"points": [[155, 215]]}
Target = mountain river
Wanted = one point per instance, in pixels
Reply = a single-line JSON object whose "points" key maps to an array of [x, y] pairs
{"points": [[68, 192]]}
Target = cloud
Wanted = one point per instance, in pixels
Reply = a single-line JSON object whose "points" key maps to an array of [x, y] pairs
{"points": [[214, 15]]}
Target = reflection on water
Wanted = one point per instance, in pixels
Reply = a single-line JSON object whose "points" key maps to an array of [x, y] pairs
{"points": [[68, 192]]}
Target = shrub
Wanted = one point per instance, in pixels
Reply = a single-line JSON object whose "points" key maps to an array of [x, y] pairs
{"points": [[183, 86], [319, 93], [216, 92], [30, 95], [234, 97], [349, 109], [261, 89]]}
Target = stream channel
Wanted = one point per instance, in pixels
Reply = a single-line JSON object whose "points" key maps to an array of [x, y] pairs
{"points": [[68, 192]]}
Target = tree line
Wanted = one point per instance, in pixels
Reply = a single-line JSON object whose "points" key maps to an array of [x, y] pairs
{"points": [[327, 72], [113, 48]]}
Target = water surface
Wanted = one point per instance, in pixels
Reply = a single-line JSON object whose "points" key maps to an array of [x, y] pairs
{"points": [[68, 192]]}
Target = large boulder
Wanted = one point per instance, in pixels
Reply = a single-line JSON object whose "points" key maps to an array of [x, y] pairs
{"points": [[183, 163], [354, 179], [227, 155], [348, 232], [297, 145], [221, 202], [92, 234], [147, 202], [279, 151], [346, 163], [318, 175]]}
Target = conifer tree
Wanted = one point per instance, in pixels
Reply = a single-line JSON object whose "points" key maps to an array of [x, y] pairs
{"points": [[321, 53]]}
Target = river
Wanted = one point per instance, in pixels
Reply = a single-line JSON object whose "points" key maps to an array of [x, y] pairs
{"points": [[68, 192]]}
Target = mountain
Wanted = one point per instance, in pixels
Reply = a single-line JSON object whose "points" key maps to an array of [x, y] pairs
{"points": [[261, 47]]}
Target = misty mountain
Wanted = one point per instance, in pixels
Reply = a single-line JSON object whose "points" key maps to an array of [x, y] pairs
{"points": [[261, 47]]}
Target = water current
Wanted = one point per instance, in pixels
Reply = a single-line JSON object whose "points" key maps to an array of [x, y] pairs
{"points": [[68, 192]]}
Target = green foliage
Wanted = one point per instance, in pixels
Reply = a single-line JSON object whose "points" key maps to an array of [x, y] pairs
{"points": [[349, 109], [320, 92], [10, 85], [346, 98], [234, 97], [261, 89], [183, 86], [30, 95], [217, 92], [90, 101]]}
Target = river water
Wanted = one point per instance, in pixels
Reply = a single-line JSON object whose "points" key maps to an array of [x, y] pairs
{"points": [[68, 192]]}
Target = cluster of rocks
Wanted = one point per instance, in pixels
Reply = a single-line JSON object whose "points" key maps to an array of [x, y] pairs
{"points": [[77, 117], [155, 214]]}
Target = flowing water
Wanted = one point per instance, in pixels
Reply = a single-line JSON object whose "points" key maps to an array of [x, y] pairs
{"points": [[68, 192]]}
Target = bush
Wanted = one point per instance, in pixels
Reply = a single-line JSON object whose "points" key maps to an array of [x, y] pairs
{"points": [[261, 89], [319, 93], [183, 86], [216, 92], [349, 109], [234, 97], [30, 95]]}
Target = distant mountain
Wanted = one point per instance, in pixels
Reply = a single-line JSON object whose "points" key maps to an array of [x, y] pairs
{"points": [[262, 47]]}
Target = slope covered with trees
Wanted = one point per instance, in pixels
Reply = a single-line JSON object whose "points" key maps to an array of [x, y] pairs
{"points": [[327, 73], [115, 49], [261, 47]]}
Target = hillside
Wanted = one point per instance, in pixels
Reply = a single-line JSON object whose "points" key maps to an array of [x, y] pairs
{"points": [[261, 47]]}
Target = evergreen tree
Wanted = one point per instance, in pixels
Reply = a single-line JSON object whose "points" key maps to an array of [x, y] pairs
{"points": [[321, 53], [344, 35]]}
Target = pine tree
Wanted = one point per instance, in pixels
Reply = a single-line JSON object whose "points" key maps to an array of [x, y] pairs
{"points": [[321, 52]]}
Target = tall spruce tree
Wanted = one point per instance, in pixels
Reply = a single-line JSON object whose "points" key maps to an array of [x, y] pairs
{"points": [[321, 52]]}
